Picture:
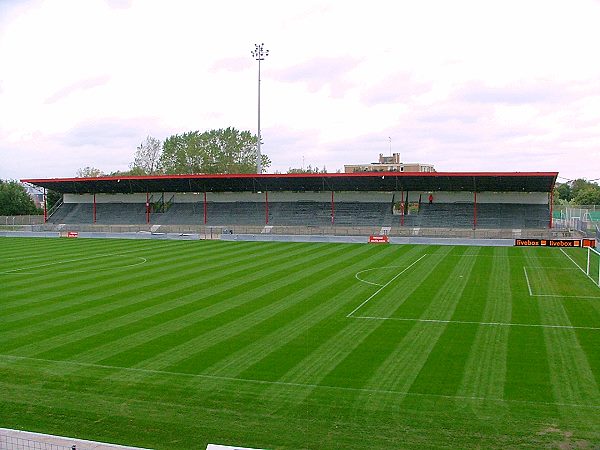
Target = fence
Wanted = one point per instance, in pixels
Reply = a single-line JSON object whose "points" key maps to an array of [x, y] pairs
{"points": [[8, 442], [577, 218], [21, 220], [24, 440], [199, 232]]}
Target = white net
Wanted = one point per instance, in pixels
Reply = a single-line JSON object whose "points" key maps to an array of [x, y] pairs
{"points": [[592, 269]]}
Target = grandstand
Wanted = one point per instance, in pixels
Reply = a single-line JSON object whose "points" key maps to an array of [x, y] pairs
{"points": [[323, 203]]}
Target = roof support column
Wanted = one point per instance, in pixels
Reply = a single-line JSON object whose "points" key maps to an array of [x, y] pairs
{"points": [[551, 206], [402, 209], [266, 207], [94, 209], [474, 210], [147, 208], [45, 206], [332, 209], [205, 210]]}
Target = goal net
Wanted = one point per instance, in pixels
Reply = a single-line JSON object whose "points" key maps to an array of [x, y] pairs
{"points": [[592, 268]]}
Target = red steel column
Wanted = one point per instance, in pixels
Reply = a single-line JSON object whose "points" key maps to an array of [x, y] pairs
{"points": [[45, 206], [332, 209], [402, 210], [94, 209], [266, 207], [475, 210], [147, 207], [205, 217], [551, 206]]}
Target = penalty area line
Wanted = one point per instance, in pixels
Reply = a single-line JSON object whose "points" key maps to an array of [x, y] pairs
{"points": [[291, 384], [468, 322], [527, 278], [384, 286]]}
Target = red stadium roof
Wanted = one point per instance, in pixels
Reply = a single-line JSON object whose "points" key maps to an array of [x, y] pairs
{"points": [[363, 181]]}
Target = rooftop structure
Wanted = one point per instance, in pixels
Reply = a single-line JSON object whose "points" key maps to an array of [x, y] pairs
{"points": [[388, 164]]}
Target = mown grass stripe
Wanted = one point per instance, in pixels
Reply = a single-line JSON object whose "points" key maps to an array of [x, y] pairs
{"points": [[307, 315], [484, 374], [153, 277], [180, 349], [445, 365], [402, 366], [188, 300], [60, 368], [527, 373], [130, 336], [96, 283]]}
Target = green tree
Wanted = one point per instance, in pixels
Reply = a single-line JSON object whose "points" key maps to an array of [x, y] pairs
{"points": [[216, 151], [147, 158], [14, 200], [308, 169], [564, 191], [89, 172], [588, 196]]}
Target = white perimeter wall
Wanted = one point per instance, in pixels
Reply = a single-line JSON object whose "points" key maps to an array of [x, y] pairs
{"points": [[534, 198]]}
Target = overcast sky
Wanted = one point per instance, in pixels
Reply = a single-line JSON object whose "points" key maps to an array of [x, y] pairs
{"points": [[463, 85]]}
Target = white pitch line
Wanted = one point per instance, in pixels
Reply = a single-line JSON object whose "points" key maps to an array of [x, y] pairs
{"points": [[565, 296], [479, 255], [500, 324], [67, 261], [142, 261], [527, 278], [365, 281], [290, 384], [386, 284], [573, 261], [580, 268]]}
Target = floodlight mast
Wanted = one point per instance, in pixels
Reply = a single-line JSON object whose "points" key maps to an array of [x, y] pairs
{"points": [[259, 53]]}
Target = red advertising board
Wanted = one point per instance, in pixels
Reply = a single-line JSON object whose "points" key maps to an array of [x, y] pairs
{"points": [[72, 234], [378, 239]]}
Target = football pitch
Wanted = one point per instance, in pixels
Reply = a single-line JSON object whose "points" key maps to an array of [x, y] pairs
{"points": [[175, 344]]}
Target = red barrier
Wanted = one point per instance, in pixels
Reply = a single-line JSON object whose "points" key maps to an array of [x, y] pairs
{"points": [[378, 239]]}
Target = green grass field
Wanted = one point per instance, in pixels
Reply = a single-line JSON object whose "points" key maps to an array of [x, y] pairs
{"points": [[174, 344]]}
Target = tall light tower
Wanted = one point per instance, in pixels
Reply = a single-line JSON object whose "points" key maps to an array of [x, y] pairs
{"points": [[259, 53]]}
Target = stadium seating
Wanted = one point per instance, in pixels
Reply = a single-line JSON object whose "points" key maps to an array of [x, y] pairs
{"points": [[106, 213], [489, 215], [311, 213], [72, 213]]}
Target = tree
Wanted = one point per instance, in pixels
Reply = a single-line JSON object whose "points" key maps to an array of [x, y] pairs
{"points": [[588, 196], [308, 169], [216, 151], [578, 192], [89, 172], [580, 185], [564, 191], [147, 157], [14, 200]]}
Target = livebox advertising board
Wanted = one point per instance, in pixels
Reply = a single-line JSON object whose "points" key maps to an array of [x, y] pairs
{"points": [[547, 242]]}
